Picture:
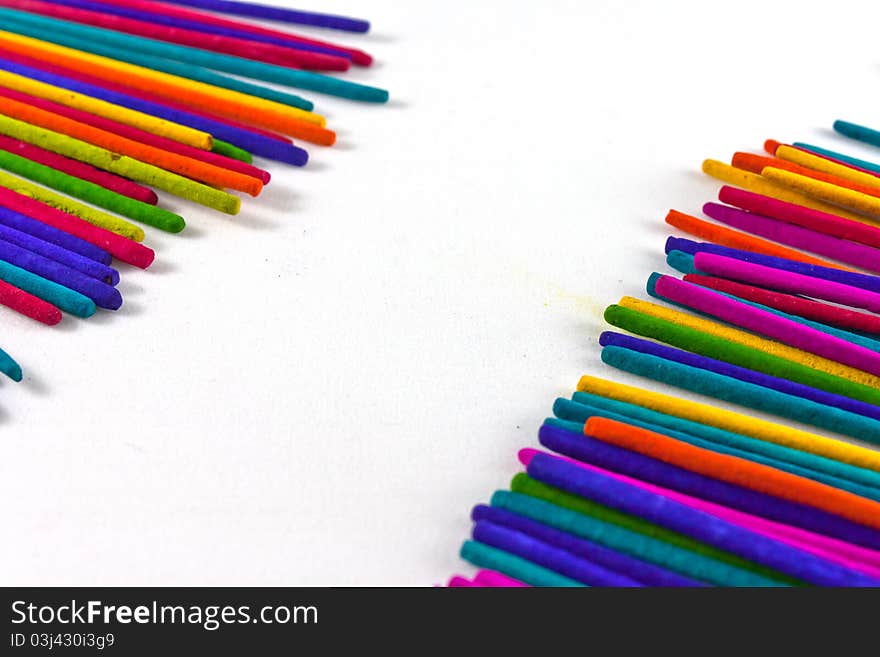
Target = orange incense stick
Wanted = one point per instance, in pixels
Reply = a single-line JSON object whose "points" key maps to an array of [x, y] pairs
{"points": [[180, 164], [757, 164], [257, 111], [737, 240], [738, 471]]}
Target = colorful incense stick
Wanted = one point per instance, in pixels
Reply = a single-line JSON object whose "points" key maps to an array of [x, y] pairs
{"points": [[583, 406], [485, 556], [494, 578], [578, 410], [281, 14], [28, 305], [87, 191], [863, 165], [258, 144], [761, 185], [48, 233], [267, 53], [735, 239], [161, 143], [80, 170], [848, 336], [846, 554], [641, 571], [268, 114], [815, 310], [120, 247], [59, 254], [140, 68], [124, 165], [103, 294], [64, 203], [166, 14], [695, 523], [787, 281], [855, 279], [64, 32], [762, 322], [118, 113], [790, 213], [734, 422], [610, 338], [846, 380], [574, 515], [851, 253], [9, 367], [548, 556], [64, 298], [170, 162], [742, 393], [739, 472]]}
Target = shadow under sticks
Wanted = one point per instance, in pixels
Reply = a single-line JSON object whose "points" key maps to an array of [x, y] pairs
{"points": [[373, 37], [314, 166], [34, 383], [278, 199], [397, 103], [160, 266], [71, 323]]}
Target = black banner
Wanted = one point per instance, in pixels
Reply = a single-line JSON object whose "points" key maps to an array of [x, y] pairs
{"points": [[256, 621]]}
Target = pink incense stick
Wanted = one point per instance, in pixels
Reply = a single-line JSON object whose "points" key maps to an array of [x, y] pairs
{"points": [[79, 170], [264, 52], [785, 281], [138, 135], [495, 579], [822, 222], [459, 582], [768, 324], [771, 145], [120, 87], [851, 253]]}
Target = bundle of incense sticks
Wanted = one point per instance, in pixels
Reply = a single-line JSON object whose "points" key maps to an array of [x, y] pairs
{"points": [[108, 105], [778, 311]]}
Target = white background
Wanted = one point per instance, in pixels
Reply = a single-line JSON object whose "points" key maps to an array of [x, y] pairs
{"points": [[319, 390]]}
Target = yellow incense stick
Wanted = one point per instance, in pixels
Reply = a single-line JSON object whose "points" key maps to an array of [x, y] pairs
{"points": [[120, 164], [65, 204], [760, 185], [282, 117], [735, 422], [753, 341], [804, 159], [825, 191], [145, 122]]}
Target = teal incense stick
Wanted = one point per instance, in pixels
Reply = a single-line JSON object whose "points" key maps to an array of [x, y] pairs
{"points": [[583, 404], [736, 353], [180, 69], [833, 155], [682, 262], [123, 44], [569, 513], [87, 191], [745, 394], [485, 556], [843, 334], [9, 367], [58, 295], [571, 415]]}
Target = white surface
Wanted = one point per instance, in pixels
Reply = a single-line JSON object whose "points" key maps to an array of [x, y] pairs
{"points": [[317, 391]]}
